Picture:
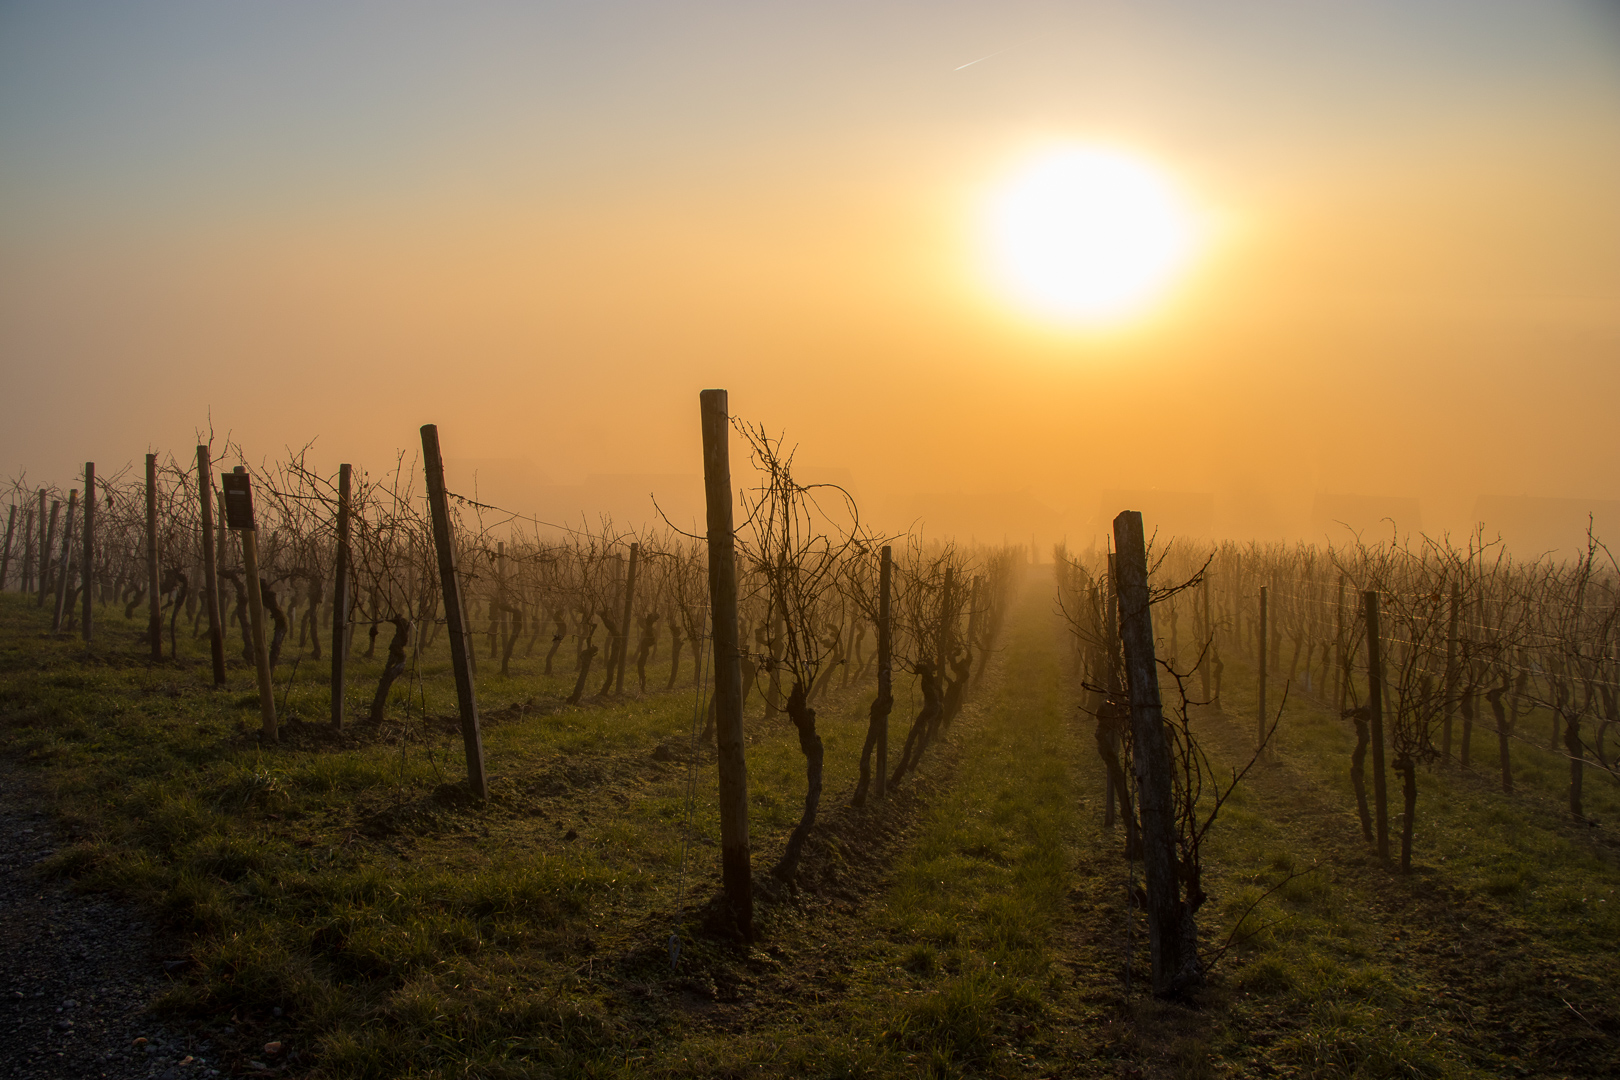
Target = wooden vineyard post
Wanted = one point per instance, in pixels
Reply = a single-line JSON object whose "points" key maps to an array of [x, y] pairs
{"points": [[735, 858], [340, 595], [1375, 720], [885, 671], [1339, 661], [154, 603], [36, 565], [5, 556], [502, 620], [1111, 797], [1172, 934], [211, 548], [1450, 703], [87, 560], [1209, 637], [454, 613], [629, 611], [239, 516], [62, 567], [1260, 734], [25, 551], [47, 541]]}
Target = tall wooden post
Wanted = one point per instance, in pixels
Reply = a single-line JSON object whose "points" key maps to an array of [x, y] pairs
{"points": [[211, 546], [629, 611], [1111, 797], [454, 613], [501, 620], [62, 566], [1339, 646], [340, 595], [1260, 734], [37, 564], [5, 556], [1450, 702], [239, 515], [735, 857], [947, 624], [87, 559], [1209, 637], [49, 542], [885, 660], [1375, 717], [1172, 934], [25, 552], [154, 602]]}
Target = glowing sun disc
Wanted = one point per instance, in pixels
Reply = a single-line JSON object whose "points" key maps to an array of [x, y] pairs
{"points": [[1089, 235]]}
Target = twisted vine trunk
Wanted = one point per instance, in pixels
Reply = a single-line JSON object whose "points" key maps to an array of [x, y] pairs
{"points": [[1407, 767], [1494, 696], [956, 687], [646, 646], [615, 643], [1358, 773], [183, 584], [877, 721], [1572, 746], [280, 618], [675, 643], [585, 659], [917, 737], [1110, 718], [804, 719], [513, 632], [559, 626], [393, 667]]}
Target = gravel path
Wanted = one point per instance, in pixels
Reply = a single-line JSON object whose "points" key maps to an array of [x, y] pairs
{"points": [[76, 970]]}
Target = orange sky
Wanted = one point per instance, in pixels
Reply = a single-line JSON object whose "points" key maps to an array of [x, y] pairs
{"points": [[545, 228]]}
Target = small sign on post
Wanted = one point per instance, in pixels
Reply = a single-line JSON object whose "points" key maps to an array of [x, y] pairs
{"points": [[238, 489], [238, 499]]}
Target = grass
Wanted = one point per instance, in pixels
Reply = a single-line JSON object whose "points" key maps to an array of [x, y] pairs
{"points": [[973, 925]]}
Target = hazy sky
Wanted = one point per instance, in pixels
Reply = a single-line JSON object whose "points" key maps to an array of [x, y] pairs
{"points": [[546, 226]]}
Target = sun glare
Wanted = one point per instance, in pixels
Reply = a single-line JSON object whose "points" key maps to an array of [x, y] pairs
{"points": [[1089, 235]]}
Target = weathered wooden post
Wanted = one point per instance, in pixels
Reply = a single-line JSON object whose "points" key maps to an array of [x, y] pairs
{"points": [[885, 659], [629, 612], [1260, 734], [154, 602], [1209, 638], [62, 566], [212, 547], [25, 552], [36, 565], [1375, 719], [503, 619], [5, 556], [340, 595], [1450, 703], [87, 562], [454, 613], [735, 857], [48, 542], [1172, 934], [238, 492], [1339, 660], [1111, 796]]}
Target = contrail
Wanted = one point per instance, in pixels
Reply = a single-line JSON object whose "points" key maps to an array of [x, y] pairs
{"points": [[987, 56]]}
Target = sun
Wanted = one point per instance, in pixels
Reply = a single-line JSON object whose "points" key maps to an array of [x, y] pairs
{"points": [[1089, 235]]}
